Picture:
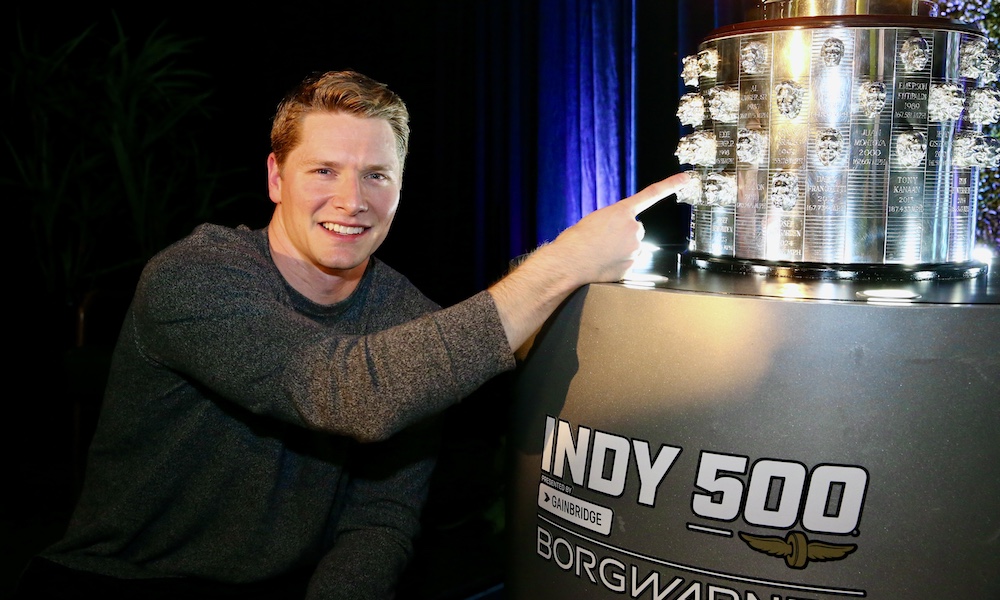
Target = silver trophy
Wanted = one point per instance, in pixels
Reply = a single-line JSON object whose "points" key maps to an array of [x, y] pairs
{"points": [[859, 129]]}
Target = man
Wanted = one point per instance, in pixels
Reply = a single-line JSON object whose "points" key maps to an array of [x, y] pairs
{"points": [[267, 430]]}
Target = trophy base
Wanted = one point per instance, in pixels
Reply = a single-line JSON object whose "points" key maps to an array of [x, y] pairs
{"points": [[836, 271]]}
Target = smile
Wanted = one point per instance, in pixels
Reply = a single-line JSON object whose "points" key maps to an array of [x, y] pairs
{"points": [[344, 229]]}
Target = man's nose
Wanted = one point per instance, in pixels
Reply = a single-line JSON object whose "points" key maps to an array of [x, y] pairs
{"points": [[349, 195]]}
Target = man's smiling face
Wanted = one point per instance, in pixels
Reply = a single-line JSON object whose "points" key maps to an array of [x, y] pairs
{"points": [[336, 194]]}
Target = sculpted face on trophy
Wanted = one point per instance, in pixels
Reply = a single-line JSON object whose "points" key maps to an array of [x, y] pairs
{"points": [[691, 192], [698, 148], [753, 58], [945, 102], [788, 96], [914, 54], [832, 52], [973, 149], [690, 71], [984, 106], [979, 61], [910, 148], [871, 98], [829, 146], [749, 145], [691, 110], [724, 103], [708, 63], [720, 189], [785, 190]]}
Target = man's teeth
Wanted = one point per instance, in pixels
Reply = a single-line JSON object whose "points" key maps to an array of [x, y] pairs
{"points": [[334, 227]]}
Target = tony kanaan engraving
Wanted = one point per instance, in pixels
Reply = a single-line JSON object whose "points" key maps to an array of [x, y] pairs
{"points": [[790, 511]]}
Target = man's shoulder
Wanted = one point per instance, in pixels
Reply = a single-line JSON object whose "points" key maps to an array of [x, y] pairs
{"points": [[211, 235], [212, 241], [387, 281], [210, 250]]}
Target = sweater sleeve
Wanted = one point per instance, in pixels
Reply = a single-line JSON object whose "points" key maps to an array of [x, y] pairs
{"points": [[378, 384], [221, 322], [374, 536]]}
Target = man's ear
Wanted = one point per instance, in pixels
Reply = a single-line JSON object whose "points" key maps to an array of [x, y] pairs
{"points": [[273, 179]]}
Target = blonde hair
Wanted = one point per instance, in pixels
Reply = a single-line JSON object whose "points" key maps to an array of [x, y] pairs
{"points": [[338, 91]]}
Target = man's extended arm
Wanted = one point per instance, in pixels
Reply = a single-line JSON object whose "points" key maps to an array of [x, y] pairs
{"points": [[600, 247]]}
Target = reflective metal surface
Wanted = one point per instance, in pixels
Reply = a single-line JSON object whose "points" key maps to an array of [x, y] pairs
{"points": [[782, 9], [846, 140], [669, 268]]}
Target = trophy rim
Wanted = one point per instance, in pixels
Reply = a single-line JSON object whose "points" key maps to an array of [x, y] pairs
{"points": [[777, 9], [970, 269], [844, 21]]}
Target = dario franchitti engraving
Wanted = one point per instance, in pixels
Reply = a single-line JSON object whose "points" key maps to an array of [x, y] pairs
{"points": [[584, 471]]}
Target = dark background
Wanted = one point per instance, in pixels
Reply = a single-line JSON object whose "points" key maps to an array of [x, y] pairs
{"points": [[455, 63]]}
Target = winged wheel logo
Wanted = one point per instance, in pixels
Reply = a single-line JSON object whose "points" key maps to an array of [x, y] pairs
{"points": [[797, 549]]}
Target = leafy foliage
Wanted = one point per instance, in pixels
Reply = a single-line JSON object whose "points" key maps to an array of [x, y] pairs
{"points": [[106, 152]]}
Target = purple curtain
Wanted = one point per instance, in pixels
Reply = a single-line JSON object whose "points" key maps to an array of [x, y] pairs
{"points": [[586, 109]]}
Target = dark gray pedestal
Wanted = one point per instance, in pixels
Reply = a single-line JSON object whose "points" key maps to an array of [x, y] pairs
{"points": [[726, 436]]}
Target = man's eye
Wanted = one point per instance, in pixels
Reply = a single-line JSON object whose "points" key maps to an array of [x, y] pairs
{"points": [[379, 176], [323, 171]]}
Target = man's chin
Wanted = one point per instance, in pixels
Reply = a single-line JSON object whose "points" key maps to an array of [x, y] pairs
{"points": [[345, 267]]}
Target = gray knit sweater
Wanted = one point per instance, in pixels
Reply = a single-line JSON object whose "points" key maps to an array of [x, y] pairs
{"points": [[248, 432]]}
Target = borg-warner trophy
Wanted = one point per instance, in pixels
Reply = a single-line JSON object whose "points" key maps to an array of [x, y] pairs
{"points": [[844, 137], [803, 404]]}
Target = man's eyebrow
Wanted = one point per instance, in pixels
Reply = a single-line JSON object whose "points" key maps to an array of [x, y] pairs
{"points": [[313, 163], [319, 162]]}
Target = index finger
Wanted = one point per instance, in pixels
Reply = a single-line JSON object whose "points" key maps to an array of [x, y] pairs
{"points": [[654, 192]]}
